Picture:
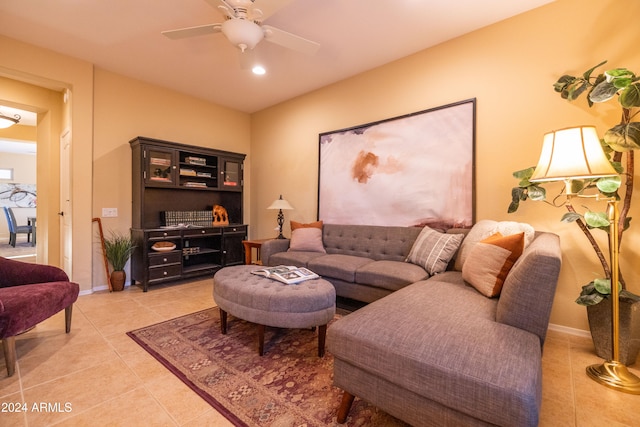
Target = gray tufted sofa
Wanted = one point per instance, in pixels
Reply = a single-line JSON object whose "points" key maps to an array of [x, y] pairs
{"points": [[363, 262], [434, 351]]}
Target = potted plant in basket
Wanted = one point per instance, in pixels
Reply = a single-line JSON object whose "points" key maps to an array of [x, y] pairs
{"points": [[619, 144], [118, 249]]}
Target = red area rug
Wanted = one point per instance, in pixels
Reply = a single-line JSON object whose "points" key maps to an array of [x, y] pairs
{"points": [[288, 386]]}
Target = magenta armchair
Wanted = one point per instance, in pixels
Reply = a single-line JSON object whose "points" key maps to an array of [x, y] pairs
{"points": [[29, 294]]}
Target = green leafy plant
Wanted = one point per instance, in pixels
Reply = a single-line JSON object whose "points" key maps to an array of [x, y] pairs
{"points": [[118, 249], [619, 144], [599, 289]]}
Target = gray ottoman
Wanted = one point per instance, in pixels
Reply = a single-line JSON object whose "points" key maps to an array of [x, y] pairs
{"points": [[267, 302]]}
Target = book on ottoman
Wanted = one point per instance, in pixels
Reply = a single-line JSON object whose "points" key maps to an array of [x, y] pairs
{"points": [[287, 274]]}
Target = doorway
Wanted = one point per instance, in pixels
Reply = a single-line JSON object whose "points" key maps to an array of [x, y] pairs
{"points": [[50, 111], [18, 183]]}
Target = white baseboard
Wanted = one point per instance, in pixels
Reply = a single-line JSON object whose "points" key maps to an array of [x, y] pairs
{"points": [[570, 331], [101, 288]]}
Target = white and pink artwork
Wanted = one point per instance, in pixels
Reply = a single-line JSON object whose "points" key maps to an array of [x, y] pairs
{"points": [[413, 170]]}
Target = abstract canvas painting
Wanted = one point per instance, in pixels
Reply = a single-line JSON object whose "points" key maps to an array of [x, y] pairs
{"points": [[18, 195], [413, 170]]}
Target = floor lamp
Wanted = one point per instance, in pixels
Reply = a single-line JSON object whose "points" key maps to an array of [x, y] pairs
{"points": [[281, 205], [576, 153]]}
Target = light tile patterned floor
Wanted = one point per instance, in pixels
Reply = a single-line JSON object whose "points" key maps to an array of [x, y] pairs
{"points": [[98, 376]]}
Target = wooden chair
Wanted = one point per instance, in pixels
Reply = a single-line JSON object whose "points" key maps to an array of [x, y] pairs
{"points": [[15, 229]]}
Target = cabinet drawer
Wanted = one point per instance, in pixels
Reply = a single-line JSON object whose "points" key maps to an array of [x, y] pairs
{"points": [[201, 232], [166, 258], [164, 234], [236, 229], [165, 272]]}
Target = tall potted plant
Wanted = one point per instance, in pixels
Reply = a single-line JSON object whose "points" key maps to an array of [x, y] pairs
{"points": [[619, 143], [118, 249]]}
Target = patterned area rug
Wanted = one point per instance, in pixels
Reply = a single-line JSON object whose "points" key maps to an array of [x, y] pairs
{"points": [[288, 386]]}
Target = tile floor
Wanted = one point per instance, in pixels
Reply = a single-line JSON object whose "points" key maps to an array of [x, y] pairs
{"points": [[98, 376]]}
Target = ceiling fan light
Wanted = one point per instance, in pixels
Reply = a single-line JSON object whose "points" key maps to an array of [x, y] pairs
{"points": [[242, 33], [258, 70], [8, 121]]}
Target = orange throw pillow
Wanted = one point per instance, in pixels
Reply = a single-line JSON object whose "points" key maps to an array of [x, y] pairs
{"points": [[490, 261], [295, 225]]}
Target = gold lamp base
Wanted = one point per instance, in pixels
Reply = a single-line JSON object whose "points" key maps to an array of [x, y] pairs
{"points": [[615, 375]]}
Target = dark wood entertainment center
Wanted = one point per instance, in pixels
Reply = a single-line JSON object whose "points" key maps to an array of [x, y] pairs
{"points": [[174, 189]]}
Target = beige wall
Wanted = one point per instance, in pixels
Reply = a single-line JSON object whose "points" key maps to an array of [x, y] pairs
{"points": [[510, 68], [101, 160], [126, 108], [46, 69]]}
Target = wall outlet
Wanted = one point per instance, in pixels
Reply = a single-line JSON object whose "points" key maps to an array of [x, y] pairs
{"points": [[109, 212]]}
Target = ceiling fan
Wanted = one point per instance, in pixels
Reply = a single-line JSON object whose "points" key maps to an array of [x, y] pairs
{"points": [[244, 29]]}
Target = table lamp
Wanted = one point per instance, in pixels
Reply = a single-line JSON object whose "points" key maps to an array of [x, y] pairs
{"points": [[576, 153], [281, 205]]}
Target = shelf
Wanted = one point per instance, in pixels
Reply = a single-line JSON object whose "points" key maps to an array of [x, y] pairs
{"points": [[169, 177], [201, 251], [199, 267]]}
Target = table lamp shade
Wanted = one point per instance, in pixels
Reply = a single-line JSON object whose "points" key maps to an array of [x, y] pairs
{"points": [[280, 204], [572, 153]]}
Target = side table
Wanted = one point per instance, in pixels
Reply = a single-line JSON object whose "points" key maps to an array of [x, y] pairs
{"points": [[249, 245]]}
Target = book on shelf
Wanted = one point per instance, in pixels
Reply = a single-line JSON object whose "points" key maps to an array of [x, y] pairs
{"points": [[287, 274], [160, 161], [195, 184], [187, 172], [196, 160]]}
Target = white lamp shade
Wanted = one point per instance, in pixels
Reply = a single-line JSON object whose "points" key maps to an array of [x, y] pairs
{"points": [[242, 33], [572, 153], [280, 204]]}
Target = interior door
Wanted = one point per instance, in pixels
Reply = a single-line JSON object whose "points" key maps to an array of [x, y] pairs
{"points": [[65, 202]]}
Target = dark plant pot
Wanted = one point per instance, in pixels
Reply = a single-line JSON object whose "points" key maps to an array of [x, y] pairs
{"points": [[117, 280], [601, 330]]}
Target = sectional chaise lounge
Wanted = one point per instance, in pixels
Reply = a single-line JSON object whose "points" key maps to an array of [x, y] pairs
{"points": [[456, 324]]}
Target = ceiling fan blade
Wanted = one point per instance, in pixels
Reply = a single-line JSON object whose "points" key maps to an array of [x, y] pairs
{"points": [[290, 41], [270, 7], [199, 30]]}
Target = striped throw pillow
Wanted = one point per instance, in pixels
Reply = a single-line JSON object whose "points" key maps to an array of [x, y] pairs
{"points": [[433, 250]]}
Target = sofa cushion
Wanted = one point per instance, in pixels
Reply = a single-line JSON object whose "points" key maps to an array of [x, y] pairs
{"points": [[485, 228], [306, 237], [338, 266], [370, 241], [297, 258], [391, 275], [433, 250], [490, 261], [27, 305]]}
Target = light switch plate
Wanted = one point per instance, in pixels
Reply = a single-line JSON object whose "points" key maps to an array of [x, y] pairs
{"points": [[109, 212]]}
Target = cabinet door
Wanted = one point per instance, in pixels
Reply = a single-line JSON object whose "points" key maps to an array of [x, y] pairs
{"points": [[160, 166], [231, 174], [232, 246]]}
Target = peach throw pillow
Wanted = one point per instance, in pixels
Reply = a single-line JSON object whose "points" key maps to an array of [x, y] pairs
{"points": [[490, 261]]}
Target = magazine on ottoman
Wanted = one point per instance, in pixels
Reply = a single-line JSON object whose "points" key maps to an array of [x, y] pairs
{"points": [[288, 274]]}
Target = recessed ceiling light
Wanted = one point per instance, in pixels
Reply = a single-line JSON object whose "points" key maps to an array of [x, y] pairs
{"points": [[258, 70]]}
